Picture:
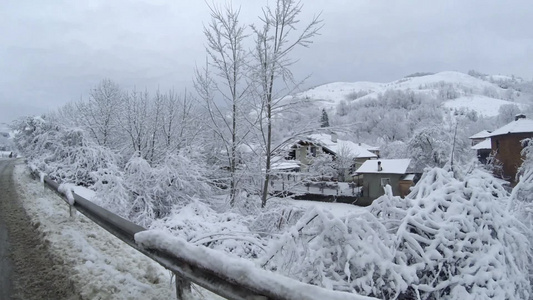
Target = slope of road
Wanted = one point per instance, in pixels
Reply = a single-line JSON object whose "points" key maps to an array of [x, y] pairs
{"points": [[88, 261], [32, 272]]}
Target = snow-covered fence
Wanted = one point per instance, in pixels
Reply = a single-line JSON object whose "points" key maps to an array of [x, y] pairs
{"points": [[233, 278], [326, 188]]}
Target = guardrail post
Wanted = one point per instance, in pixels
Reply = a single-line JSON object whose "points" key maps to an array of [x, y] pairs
{"points": [[72, 211], [183, 288]]}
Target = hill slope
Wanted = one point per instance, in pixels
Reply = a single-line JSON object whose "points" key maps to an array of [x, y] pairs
{"points": [[483, 94]]}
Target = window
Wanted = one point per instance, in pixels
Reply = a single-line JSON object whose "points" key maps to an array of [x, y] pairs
{"points": [[385, 181], [313, 151]]}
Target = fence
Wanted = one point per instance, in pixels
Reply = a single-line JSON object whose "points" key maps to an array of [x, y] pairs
{"points": [[243, 286]]}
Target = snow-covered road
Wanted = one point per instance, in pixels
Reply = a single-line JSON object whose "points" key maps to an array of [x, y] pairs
{"points": [[30, 270], [81, 258]]}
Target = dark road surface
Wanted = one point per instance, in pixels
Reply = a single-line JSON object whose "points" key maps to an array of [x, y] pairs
{"points": [[5, 261], [27, 270]]}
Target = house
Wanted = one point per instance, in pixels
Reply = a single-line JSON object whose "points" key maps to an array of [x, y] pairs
{"points": [[315, 144], [375, 174], [371, 149], [483, 150], [506, 145], [480, 137], [481, 143]]}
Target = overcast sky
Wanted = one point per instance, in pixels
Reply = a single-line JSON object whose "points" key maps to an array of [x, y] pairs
{"points": [[53, 52]]}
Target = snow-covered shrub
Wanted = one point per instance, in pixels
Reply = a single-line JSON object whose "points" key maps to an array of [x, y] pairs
{"points": [[111, 191], [451, 238], [462, 240], [67, 155], [521, 200], [198, 223], [155, 190], [350, 254]]}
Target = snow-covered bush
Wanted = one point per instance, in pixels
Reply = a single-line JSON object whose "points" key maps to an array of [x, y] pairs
{"points": [[154, 191], [461, 240], [351, 254], [521, 200], [198, 223], [451, 238], [67, 155], [111, 190]]}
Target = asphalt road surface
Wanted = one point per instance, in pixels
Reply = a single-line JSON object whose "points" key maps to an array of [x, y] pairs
{"points": [[27, 270]]}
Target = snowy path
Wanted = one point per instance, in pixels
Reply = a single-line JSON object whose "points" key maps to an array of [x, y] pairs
{"points": [[34, 271], [93, 263]]}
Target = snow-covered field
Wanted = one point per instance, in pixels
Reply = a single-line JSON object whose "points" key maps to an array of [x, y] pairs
{"points": [[103, 267], [486, 106]]}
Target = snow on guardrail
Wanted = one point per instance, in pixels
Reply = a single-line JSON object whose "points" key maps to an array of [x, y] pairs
{"points": [[233, 278]]}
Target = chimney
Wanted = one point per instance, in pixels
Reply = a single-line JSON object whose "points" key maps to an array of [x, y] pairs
{"points": [[379, 166], [519, 116], [334, 137]]}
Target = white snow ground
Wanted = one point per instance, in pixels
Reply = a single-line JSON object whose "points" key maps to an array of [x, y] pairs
{"points": [[103, 267], [486, 106]]}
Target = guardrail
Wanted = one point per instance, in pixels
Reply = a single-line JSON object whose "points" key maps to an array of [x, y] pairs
{"points": [[246, 284]]}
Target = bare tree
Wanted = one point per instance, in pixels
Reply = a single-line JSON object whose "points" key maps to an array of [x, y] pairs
{"points": [[228, 60], [275, 39], [98, 114], [135, 122]]}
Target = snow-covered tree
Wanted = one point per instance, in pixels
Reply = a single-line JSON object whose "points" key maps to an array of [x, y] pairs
{"points": [[98, 115], [67, 155], [275, 38], [322, 167], [324, 120], [225, 88], [507, 113]]}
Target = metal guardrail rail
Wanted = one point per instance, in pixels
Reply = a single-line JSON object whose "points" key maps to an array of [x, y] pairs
{"points": [[186, 271]]}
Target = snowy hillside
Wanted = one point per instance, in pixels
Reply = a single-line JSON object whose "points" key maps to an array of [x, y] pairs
{"points": [[483, 105], [483, 94]]}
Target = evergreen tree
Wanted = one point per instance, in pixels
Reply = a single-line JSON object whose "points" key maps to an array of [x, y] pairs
{"points": [[324, 120]]}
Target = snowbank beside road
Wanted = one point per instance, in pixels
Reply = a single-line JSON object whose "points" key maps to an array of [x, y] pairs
{"points": [[103, 267]]}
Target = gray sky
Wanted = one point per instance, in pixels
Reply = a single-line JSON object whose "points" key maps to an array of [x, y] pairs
{"points": [[54, 51]]}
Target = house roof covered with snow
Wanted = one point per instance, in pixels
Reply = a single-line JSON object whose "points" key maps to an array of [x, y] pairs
{"points": [[482, 145], [481, 135], [281, 164], [388, 166], [285, 165], [353, 149], [368, 147], [518, 126]]}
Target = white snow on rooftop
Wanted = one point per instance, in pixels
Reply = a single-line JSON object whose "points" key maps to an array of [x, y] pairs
{"points": [[389, 166], [483, 145], [368, 147], [355, 150], [480, 135], [519, 126], [285, 165]]}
